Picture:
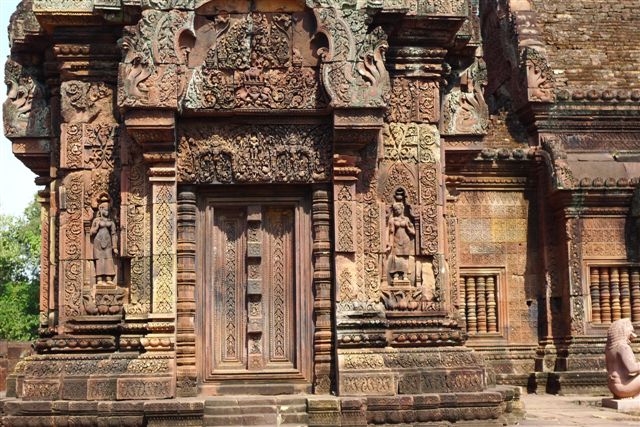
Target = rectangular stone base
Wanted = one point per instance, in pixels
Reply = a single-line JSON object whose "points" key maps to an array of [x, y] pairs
{"points": [[622, 405]]}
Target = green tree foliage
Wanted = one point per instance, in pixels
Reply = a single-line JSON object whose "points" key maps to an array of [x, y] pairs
{"points": [[19, 273]]}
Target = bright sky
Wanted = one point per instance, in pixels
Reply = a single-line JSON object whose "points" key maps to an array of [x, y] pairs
{"points": [[16, 181]]}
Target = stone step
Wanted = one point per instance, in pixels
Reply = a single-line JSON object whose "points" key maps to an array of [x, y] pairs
{"points": [[291, 400], [240, 420], [239, 410], [288, 409], [240, 400], [293, 418]]}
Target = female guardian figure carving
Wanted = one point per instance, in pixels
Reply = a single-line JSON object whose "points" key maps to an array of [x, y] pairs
{"points": [[105, 243], [400, 246]]}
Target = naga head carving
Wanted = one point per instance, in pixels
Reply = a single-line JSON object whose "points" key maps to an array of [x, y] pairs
{"points": [[25, 110]]}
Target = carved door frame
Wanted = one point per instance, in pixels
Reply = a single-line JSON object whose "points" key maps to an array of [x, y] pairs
{"points": [[298, 197]]}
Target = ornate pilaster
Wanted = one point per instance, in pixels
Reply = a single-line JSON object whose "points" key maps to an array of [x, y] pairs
{"points": [[577, 319], [154, 131]]}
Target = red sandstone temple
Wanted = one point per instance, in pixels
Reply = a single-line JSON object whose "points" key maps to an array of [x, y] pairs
{"points": [[322, 212]]}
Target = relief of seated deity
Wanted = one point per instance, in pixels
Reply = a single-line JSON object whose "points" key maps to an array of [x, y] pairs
{"points": [[623, 370]]}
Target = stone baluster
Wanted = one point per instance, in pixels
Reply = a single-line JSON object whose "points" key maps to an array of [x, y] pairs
{"points": [[595, 295], [472, 325], [605, 303], [481, 307], [625, 293], [615, 293], [492, 319], [635, 294]]}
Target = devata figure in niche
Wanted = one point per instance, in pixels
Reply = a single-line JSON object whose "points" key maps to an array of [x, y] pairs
{"points": [[623, 369], [105, 243], [400, 244]]}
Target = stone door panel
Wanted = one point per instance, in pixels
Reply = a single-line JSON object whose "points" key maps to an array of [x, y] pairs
{"points": [[255, 306]]}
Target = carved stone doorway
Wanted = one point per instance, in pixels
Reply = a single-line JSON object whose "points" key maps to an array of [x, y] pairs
{"points": [[256, 305]]}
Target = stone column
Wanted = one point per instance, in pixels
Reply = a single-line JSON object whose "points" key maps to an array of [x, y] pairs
{"points": [[186, 282], [323, 336]]}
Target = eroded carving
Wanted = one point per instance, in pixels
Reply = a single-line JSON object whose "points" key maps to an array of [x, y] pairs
{"points": [[25, 111]]}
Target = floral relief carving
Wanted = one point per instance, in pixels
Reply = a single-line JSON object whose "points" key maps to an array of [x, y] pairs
{"points": [[85, 102], [538, 75], [163, 262], [72, 244], [561, 172], [413, 100]]}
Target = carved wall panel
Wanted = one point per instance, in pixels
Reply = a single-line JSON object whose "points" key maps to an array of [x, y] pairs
{"points": [[604, 238], [90, 157], [494, 232], [410, 167], [254, 154], [344, 213], [47, 303]]}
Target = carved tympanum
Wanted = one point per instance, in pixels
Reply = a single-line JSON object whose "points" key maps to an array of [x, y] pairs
{"points": [[622, 366]]}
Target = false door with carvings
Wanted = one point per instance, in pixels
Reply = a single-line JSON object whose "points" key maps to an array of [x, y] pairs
{"points": [[257, 290]]}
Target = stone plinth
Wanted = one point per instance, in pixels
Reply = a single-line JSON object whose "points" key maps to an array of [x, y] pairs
{"points": [[622, 405]]}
